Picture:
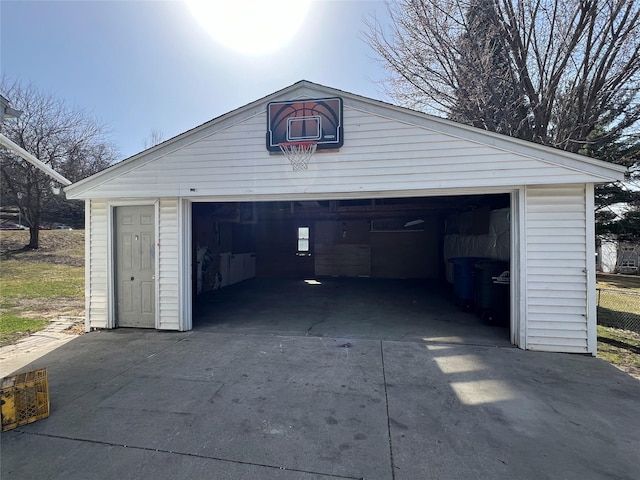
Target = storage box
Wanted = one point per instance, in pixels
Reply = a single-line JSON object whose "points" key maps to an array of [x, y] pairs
{"points": [[24, 398]]}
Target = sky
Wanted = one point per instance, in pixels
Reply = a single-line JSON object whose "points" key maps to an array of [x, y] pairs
{"points": [[143, 66]]}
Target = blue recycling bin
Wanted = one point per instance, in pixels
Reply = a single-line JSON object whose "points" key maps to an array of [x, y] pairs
{"points": [[464, 284]]}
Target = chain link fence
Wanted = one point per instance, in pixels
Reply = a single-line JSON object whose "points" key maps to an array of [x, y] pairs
{"points": [[618, 309]]}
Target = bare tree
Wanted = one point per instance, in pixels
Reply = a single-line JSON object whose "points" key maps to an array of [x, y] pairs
{"points": [[67, 139], [155, 137], [574, 65], [487, 95]]}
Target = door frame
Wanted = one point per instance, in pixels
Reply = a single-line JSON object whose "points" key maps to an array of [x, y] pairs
{"points": [[111, 257], [518, 270], [185, 264]]}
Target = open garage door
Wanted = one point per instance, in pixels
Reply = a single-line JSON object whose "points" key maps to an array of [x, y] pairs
{"points": [[372, 267]]}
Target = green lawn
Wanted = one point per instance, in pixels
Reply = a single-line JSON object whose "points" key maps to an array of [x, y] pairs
{"points": [[619, 300], [32, 292], [38, 285], [12, 327], [20, 279], [621, 348]]}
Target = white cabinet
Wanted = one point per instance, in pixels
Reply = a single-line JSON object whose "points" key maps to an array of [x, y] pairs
{"points": [[236, 267]]}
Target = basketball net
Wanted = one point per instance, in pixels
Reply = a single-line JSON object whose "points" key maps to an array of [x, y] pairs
{"points": [[299, 153]]}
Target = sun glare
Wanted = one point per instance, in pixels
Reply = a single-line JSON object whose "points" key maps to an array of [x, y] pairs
{"points": [[250, 27]]}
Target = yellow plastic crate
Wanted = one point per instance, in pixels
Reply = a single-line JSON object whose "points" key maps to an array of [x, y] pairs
{"points": [[24, 398]]}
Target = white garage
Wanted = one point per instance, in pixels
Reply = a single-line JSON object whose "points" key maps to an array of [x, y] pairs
{"points": [[387, 193]]}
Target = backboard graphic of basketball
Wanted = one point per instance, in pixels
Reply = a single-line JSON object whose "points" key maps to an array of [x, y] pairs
{"points": [[309, 120]]}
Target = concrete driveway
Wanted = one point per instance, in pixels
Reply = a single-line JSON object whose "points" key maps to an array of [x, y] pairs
{"points": [[136, 404]]}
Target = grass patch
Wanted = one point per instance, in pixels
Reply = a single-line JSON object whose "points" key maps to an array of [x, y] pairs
{"points": [[13, 327], [621, 348], [619, 300], [37, 285], [37, 280], [619, 304]]}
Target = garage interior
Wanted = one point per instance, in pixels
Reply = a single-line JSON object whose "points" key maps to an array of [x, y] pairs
{"points": [[350, 268]]}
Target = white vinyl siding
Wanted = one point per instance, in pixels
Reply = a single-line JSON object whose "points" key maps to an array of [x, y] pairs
{"points": [[97, 264], [556, 263], [168, 254], [388, 152], [379, 155]]}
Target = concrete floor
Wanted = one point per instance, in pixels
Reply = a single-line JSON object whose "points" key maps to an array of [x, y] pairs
{"points": [[375, 309], [362, 391]]}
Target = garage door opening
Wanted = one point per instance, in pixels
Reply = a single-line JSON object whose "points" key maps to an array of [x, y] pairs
{"points": [[375, 268]]}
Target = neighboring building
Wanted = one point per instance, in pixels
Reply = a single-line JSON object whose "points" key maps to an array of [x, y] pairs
{"points": [[6, 111], [218, 204], [615, 256], [606, 254], [627, 258]]}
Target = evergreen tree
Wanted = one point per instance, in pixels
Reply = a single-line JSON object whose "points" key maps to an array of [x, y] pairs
{"points": [[487, 94]]}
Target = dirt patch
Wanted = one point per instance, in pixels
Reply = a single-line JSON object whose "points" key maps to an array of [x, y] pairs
{"points": [[49, 308], [616, 280], [63, 247]]}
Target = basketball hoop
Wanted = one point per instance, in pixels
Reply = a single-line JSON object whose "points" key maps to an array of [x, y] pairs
{"points": [[298, 153]]}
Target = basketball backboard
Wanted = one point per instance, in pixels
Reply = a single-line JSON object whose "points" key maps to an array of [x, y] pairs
{"points": [[309, 120]]}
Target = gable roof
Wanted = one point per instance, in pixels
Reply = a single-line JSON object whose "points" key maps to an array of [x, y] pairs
{"points": [[597, 170]]}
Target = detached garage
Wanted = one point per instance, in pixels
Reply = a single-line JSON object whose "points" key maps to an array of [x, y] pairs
{"points": [[314, 183]]}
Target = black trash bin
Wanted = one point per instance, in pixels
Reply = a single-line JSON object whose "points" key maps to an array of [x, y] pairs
{"points": [[492, 293]]}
